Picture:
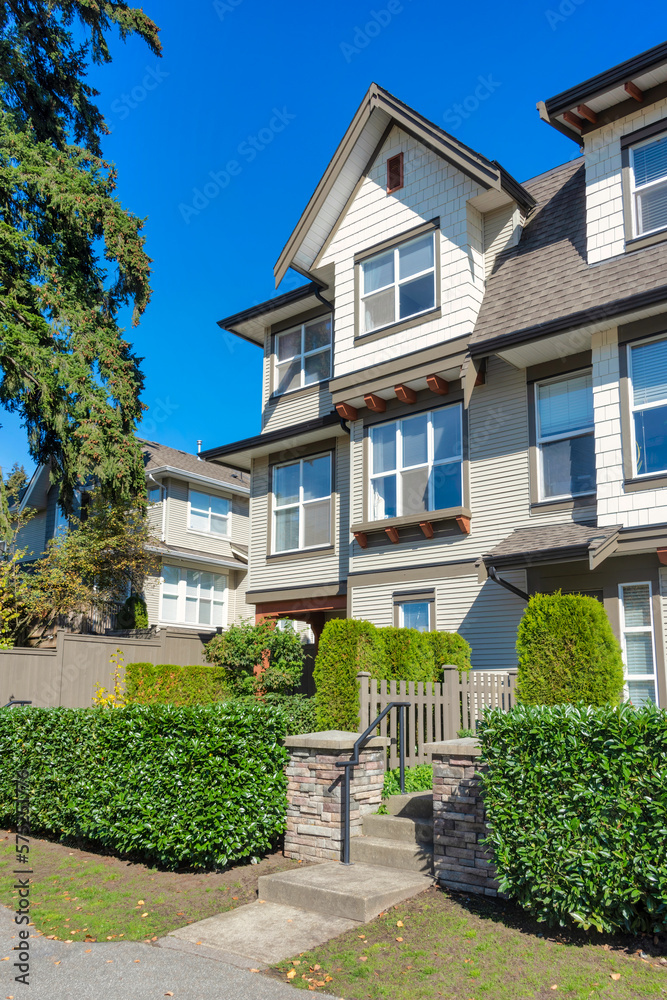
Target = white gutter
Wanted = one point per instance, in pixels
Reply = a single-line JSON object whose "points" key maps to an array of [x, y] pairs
{"points": [[195, 477], [209, 560]]}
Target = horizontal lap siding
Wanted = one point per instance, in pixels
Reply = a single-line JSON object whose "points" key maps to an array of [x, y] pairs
{"points": [[501, 229], [32, 536], [296, 408], [177, 522], [238, 609], [152, 598]]}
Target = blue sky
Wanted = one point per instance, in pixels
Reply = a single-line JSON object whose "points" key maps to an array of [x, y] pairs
{"points": [[273, 87]]}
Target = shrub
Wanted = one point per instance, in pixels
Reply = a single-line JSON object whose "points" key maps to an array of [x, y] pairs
{"points": [[346, 647], [567, 652], [242, 648], [133, 613], [198, 787], [407, 655], [576, 801], [300, 711], [449, 648], [168, 684]]}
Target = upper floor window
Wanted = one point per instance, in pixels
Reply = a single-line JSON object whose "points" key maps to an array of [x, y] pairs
{"points": [[648, 375], [417, 464], [303, 355], [154, 494], [209, 513], [397, 284], [648, 175], [565, 436], [302, 504]]}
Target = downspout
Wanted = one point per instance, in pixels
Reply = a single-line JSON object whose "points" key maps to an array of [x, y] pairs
{"points": [[493, 575]]}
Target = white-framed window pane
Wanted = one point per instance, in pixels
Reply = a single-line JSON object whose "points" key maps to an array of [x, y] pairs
{"points": [[289, 376], [205, 613], [316, 477], [317, 334], [200, 501], [219, 505], [169, 607], [317, 367], [218, 614], [191, 610], [639, 653], [383, 441], [651, 440], [219, 587], [641, 693], [650, 161], [415, 614], [652, 209], [637, 605], [192, 578], [568, 466], [414, 490], [170, 578], [649, 373], [378, 272], [416, 256], [414, 433], [287, 529], [288, 345], [383, 497], [198, 520], [416, 296], [447, 486], [218, 525], [379, 309], [154, 494], [565, 406], [447, 442], [286, 484], [317, 523]]}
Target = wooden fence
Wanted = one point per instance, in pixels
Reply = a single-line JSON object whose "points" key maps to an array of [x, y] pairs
{"points": [[437, 711]]}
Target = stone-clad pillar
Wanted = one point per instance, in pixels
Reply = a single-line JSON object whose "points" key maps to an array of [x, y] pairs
{"points": [[314, 812], [459, 818]]}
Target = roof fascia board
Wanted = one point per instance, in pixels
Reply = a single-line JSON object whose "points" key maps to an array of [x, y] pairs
{"points": [[31, 485], [570, 133], [269, 437], [171, 470], [266, 308], [195, 557]]}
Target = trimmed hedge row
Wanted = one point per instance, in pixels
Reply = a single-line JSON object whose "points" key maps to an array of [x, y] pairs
{"points": [[169, 684], [576, 800], [198, 787], [348, 646]]}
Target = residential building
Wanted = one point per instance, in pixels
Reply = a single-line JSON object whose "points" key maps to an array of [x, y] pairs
{"points": [[467, 401]]}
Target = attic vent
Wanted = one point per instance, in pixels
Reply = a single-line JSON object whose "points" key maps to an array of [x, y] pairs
{"points": [[394, 173]]}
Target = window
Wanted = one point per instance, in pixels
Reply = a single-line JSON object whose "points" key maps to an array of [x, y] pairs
{"points": [[209, 513], [415, 614], [417, 464], [154, 494], [565, 436], [303, 355], [648, 377], [648, 179], [398, 283], [394, 173], [638, 646], [302, 504], [193, 597]]}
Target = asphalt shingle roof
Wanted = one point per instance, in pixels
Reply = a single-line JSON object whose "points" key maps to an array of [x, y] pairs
{"points": [[546, 277], [158, 455], [539, 543]]}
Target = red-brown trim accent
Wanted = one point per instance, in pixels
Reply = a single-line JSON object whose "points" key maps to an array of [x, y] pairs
{"points": [[633, 90], [362, 539], [392, 534], [405, 393], [301, 607], [438, 385], [588, 114], [662, 556], [464, 524], [346, 411], [395, 165], [573, 119], [375, 403], [427, 529]]}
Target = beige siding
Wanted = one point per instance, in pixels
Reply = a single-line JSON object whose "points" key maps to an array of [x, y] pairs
{"points": [[177, 531], [152, 598], [297, 407], [501, 229], [239, 610], [32, 536], [155, 515]]}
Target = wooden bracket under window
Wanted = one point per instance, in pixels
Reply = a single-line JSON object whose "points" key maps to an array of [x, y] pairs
{"points": [[427, 528], [662, 556], [346, 411], [439, 386], [392, 534], [633, 90], [464, 524], [405, 393], [375, 403], [362, 539]]}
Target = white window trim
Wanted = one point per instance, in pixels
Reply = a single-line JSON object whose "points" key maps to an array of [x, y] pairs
{"points": [[300, 504], [430, 464], [227, 517], [415, 600], [303, 354], [180, 607], [551, 438], [396, 284], [635, 190], [637, 630], [644, 406]]}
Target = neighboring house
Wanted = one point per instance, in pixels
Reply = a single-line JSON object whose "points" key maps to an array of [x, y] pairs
{"points": [[199, 515]]}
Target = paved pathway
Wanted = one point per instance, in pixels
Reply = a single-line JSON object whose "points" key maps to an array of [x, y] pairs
{"points": [[126, 971]]}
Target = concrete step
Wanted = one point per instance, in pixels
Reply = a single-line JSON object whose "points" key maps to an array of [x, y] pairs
{"points": [[417, 804], [410, 829], [396, 854], [354, 892]]}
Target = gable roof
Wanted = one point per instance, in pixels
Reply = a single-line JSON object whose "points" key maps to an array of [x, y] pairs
{"points": [[158, 457], [376, 114], [544, 285]]}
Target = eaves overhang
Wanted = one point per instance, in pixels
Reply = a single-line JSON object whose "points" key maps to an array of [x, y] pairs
{"points": [[250, 324], [239, 454], [170, 470]]}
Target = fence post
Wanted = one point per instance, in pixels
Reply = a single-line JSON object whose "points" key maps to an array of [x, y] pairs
{"points": [[452, 711], [510, 700], [364, 700]]}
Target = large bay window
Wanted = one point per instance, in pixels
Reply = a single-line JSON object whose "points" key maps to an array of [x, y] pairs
{"points": [[565, 436], [648, 377], [648, 181], [303, 355], [417, 464], [398, 284], [193, 597], [638, 642], [302, 504], [208, 513]]}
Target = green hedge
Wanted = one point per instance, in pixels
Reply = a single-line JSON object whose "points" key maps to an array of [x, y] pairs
{"points": [[576, 799], [168, 684], [567, 652], [348, 646], [197, 787], [300, 711]]}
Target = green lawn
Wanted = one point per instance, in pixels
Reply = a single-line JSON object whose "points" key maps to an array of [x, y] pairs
{"points": [[439, 945]]}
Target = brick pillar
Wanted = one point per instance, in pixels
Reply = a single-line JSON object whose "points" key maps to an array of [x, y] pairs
{"points": [[459, 819], [314, 811]]}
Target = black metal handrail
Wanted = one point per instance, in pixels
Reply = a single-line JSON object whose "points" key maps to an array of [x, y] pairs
{"points": [[354, 760], [16, 701]]}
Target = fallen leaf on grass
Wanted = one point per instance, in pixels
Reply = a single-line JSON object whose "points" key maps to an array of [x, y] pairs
{"points": [[140, 902], [363, 958], [554, 987], [57, 963], [291, 974], [615, 975], [316, 968], [254, 970], [399, 939], [399, 923], [144, 914], [233, 897], [297, 961]]}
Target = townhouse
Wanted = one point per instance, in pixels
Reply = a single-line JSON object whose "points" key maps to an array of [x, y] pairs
{"points": [[466, 403]]}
